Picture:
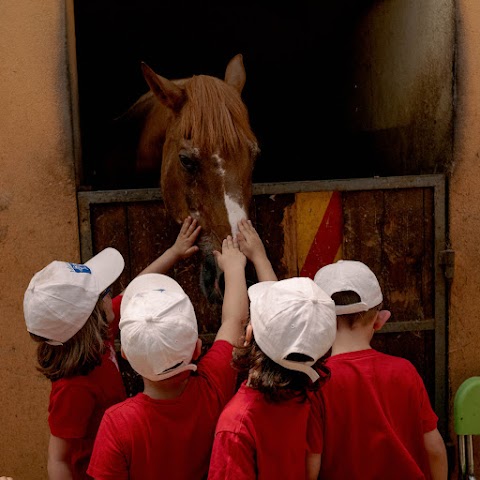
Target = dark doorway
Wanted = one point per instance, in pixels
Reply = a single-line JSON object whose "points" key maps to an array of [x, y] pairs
{"points": [[298, 61]]}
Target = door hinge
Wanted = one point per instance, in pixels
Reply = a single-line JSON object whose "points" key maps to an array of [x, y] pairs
{"points": [[447, 261]]}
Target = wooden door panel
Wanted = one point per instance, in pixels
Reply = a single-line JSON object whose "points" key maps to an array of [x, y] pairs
{"points": [[393, 225]]}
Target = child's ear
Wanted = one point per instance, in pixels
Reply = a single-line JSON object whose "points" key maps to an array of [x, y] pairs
{"points": [[123, 354], [381, 319], [198, 349], [248, 335]]}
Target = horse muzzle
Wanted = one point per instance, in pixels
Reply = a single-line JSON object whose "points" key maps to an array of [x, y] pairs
{"points": [[211, 280]]}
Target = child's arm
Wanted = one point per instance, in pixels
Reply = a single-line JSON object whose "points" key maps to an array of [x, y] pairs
{"points": [[235, 300], [182, 248], [252, 247], [312, 467], [437, 455], [58, 466], [314, 437]]}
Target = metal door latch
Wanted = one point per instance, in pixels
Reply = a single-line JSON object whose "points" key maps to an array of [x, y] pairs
{"points": [[447, 261]]}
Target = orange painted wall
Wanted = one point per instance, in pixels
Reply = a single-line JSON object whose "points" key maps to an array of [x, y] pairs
{"points": [[464, 218], [38, 211]]}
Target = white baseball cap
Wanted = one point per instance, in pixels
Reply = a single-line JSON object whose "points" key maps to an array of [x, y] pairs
{"points": [[350, 275], [292, 316], [158, 327], [61, 297]]}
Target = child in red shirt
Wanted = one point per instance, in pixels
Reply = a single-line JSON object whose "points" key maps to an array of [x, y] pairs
{"points": [[374, 417], [262, 432], [69, 312], [167, 430]]}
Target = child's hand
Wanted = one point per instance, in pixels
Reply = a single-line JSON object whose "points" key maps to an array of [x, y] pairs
{"points": [[184, 244], [252, 247], [249, 241], [231, 256]]}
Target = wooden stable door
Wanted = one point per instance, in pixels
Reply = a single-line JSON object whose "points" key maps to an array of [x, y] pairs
{"points": [[396, 225]]}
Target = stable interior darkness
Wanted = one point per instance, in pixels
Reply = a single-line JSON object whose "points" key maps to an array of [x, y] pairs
{"points": [[299, 78]]}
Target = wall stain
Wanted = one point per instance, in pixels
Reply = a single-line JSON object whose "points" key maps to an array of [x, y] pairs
{"points": [[5, 200]]}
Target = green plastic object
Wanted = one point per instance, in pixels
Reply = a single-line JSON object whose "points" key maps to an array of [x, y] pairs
{"points": [[466, 407]]}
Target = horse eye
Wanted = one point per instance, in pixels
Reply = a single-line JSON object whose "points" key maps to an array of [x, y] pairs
{"points": [[190, 164]]}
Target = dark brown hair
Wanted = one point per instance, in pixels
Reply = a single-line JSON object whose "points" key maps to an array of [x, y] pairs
{"points": [[80, 354], [274, 381]]}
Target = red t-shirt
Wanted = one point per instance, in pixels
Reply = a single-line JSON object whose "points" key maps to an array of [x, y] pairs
{"points": [[77, 404], [371, 417], [147, 439], [255, 439]]}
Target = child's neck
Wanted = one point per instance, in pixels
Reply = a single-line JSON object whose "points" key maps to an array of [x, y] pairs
{"points": [[166, 389], [348, 340]]}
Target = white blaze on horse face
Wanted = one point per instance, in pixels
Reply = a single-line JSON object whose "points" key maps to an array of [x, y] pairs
{"points": [[235, 213], [234, 210]]}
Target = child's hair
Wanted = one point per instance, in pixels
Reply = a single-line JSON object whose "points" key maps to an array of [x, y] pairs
{"points": [[348, 297], [271, 379], [80, 354]]}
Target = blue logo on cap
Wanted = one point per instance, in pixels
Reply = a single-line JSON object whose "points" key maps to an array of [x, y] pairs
{"points": [[79, 268]]}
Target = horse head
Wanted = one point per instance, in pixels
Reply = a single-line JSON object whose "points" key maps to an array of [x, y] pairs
{"points": [[199, 129]]}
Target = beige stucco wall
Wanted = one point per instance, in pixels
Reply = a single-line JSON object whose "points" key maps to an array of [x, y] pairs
{"points": [[38, 214], [464, 338]]}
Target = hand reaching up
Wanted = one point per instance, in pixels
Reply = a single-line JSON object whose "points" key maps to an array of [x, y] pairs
{"points": [[235, 301], [231, 257], [252, 247], [184, 245]]}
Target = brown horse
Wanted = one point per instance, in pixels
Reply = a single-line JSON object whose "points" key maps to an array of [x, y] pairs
{"points": [[198, 129]]}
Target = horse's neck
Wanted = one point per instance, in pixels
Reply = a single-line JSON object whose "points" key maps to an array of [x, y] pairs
{"points": [[151, 119]]}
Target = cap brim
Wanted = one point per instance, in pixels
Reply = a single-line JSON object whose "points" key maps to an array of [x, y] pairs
{"points": [[106, 266], [148, 282]]}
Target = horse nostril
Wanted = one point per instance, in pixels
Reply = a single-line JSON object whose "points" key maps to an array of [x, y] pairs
{"points": [[210, 282]]}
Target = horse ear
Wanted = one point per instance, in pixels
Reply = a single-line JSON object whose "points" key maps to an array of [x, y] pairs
{"points": [[165, 90], [235, 73]]}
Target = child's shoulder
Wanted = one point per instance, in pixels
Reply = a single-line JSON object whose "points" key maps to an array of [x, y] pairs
{"points": [[217, 357], [73, 390], [130, 404], [218, 349], [372, 357], [399, 369], [215, 367], [76, 381], [395, 360]]}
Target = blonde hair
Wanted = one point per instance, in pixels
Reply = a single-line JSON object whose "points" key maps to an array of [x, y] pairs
{"points": [[80, 354]]}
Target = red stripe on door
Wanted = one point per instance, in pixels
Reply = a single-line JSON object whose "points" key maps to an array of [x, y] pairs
{"points": [[328, 238]]}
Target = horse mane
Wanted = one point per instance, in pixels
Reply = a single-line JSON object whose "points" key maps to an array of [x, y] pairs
{"points": [[213, 113], [139, 110]]}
